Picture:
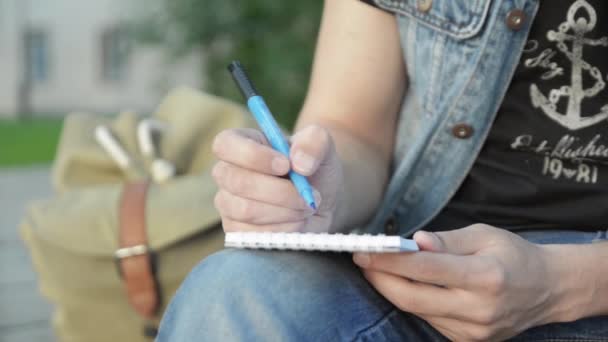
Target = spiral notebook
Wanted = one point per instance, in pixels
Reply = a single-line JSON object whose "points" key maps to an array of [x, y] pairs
{"points": [[321, 242]]}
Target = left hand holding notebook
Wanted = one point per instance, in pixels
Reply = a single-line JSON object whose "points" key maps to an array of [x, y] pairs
{"points": [[468, 282]]}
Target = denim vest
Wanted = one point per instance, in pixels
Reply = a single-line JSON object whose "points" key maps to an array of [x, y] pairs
{"points": [[460, 57]]}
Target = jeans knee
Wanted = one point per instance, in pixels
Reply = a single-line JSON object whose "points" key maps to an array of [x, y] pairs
{"points": [[229, 273], [222, 278], [191, 310], [259, 295]]}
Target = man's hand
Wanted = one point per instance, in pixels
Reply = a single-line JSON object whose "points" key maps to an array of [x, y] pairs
{"points": [[473, 284], [254, 192]]}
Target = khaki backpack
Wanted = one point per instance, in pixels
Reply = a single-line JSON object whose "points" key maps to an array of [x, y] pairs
{"points": [[112, 247]]}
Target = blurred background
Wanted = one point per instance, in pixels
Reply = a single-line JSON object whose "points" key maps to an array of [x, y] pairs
{"points": [[103, 56]]}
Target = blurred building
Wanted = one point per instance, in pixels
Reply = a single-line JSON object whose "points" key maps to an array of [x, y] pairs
{"points": [[64, 55]]}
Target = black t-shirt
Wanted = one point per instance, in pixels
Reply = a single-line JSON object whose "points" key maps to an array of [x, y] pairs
{"points": [[545, 162]]}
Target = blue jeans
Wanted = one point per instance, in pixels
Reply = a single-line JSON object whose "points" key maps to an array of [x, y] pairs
{"points": [[238, 295]]}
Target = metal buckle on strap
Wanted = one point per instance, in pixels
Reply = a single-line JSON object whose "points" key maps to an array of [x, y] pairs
{"points": [[127, 252]]}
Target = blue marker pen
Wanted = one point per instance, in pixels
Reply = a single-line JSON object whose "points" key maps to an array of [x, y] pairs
{"points": [[269, 126]]}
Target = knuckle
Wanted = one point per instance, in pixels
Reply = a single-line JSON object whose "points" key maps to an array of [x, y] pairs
{"points": [[406, 303], [320, 135], [424, 269], [254, 134], [218, 142], [242, 210], [316, 131], [218, 201], [312, 133], [496, 279], [479, 227], [237, 184], [482, 228], [251, 153], [218, 172], [481, 333], [488, 315]]}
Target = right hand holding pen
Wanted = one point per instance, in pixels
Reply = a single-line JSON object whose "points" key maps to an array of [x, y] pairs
{"points": [[253, 193]]}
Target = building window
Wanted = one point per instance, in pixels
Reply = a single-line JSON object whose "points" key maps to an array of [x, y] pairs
{"points": [[37, 55], [115, 49]]}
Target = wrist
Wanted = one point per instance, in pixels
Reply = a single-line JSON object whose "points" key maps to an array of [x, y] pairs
{"points": [[363, 178], [569, 285]]}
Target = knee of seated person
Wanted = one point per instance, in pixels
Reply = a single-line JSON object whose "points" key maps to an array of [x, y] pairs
{"points": [[232, 265], [231, 284], [237, 294], [206, 292], [223, 272], [229, 275]]}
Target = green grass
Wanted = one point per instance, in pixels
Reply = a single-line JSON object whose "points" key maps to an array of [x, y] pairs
{"points": [[28, 142]]}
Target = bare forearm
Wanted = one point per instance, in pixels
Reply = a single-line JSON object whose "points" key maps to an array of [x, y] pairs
{"points": [[356, 88], [580, 280]]}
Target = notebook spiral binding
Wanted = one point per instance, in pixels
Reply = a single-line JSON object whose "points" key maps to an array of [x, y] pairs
{"points": [[319, 242]]}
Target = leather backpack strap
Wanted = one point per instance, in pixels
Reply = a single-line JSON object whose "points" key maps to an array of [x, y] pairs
{"points": [[135, 260]]}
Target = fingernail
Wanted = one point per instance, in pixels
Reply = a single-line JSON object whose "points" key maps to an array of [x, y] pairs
{"points": [[421, 234], [361, 259], [317, 196], [280, 165], [304, 162]]}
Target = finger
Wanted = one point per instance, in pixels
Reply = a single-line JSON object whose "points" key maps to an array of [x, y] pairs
{"points": [[309, 148], [248, 148], [459, 330], [257, 186], [254, 212], [464, 241], [454, 329], [286, 227], [417, 298], [447, 330], [434, 268]]}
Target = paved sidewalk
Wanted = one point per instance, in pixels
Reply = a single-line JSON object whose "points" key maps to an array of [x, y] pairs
{"points": [[24, 314]]}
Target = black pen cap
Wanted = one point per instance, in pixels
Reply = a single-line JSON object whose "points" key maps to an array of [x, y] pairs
{"points": [[242, 80]]}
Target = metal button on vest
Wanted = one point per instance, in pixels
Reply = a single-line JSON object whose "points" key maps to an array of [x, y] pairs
{"points": [[462, 131], [516, 19], [425, 5], [390, 228]]}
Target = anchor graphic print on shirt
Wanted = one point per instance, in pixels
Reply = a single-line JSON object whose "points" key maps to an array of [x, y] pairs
{"points": [[581, 21], [576, 96], [545, 161]]}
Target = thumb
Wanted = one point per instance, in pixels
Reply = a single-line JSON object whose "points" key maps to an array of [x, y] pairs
{"points": [[462, 241], [314, 155], [429, 242], [310, 146]]}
